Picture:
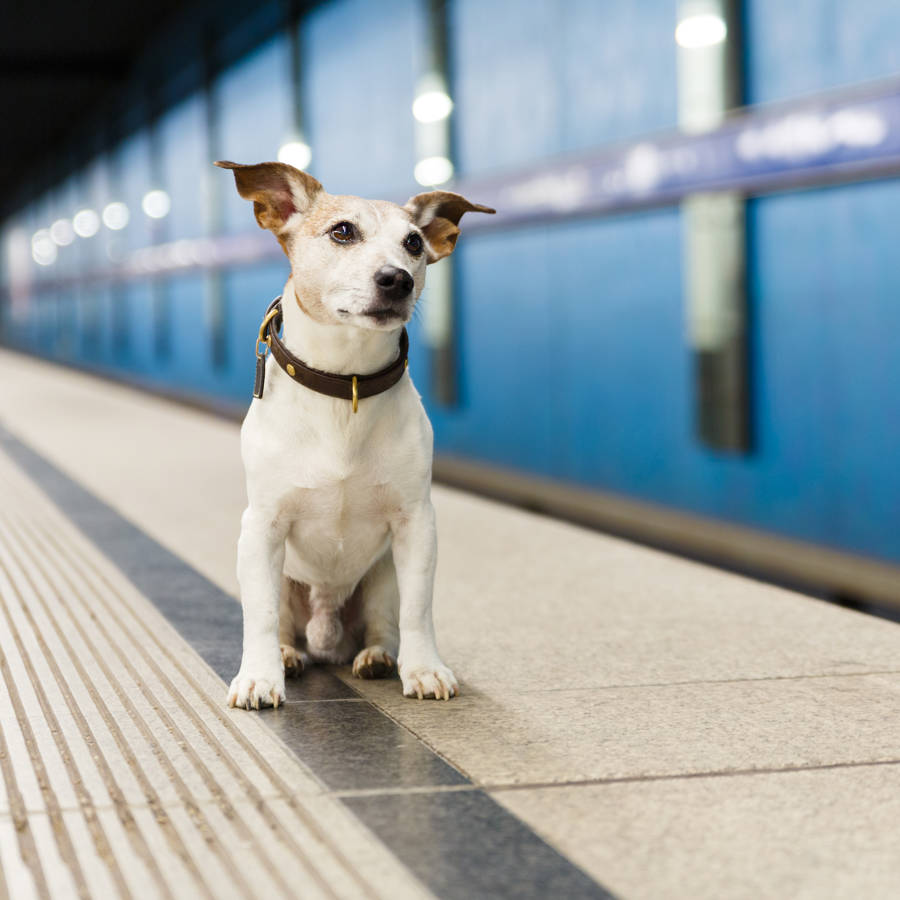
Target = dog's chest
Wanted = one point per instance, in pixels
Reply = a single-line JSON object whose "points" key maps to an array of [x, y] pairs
{"points": [[337, 481], [338, 528]]}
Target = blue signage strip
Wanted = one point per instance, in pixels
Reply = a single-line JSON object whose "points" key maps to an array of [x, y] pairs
{"points": [[819, 140]]}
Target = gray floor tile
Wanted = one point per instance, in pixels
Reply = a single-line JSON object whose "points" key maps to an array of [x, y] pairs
{"points": [[526, 603], [555, 736]]}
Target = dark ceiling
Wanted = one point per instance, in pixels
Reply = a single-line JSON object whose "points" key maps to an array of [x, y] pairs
{"points": [[60, 64]]}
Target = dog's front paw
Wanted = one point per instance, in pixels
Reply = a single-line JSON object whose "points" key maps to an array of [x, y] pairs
{"points": [[435, 681], [373, 662], [252, 692]]}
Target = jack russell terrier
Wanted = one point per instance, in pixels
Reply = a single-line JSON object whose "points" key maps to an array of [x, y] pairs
{"points": [[338, 545]]}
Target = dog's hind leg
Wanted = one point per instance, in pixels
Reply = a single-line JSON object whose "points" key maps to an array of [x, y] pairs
{"points": [[293, 614], [380, 609]]}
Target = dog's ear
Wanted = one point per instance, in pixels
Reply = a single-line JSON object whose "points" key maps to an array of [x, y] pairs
{"points": [[438, 213], [276, 189]]}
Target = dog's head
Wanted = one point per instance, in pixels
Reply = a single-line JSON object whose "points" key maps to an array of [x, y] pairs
{"points": [[354, 261]]}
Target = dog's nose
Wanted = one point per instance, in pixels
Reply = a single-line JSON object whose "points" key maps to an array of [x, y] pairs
{"points": [[394, 283]]}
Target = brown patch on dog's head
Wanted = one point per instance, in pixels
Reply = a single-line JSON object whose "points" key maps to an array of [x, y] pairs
{"points": [[278, 192], [438, 213]]}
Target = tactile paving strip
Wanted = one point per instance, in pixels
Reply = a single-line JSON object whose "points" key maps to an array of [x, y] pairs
{"points": [[123, 773]]}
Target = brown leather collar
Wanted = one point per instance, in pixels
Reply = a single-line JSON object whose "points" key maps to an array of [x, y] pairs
{"points": [[346, 387]]}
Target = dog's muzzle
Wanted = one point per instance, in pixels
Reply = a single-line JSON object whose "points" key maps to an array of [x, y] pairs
{"points": [[393, 284]]}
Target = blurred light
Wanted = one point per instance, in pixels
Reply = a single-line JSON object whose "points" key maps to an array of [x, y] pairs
{"points": [[86, 223], [62, 233], [156, 204], [43, 249], [432, 106], [295, 153], [433, 170], [643, 168], [700, 31], [115, 215]]}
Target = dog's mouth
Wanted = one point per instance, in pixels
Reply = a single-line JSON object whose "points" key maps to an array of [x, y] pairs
{"points": [[384, 314], [379, 316]]}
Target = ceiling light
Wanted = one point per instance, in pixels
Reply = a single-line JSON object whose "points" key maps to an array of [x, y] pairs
{"points": [[43, 248], [62, 233], [432, 106], [86, 223], [433, 170], [295, 153], [115, 215], [156, 204], [700, 31]]}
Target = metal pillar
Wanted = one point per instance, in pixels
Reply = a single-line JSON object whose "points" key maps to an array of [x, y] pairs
{"points": [[434, 140], [161, 299], [120, 317], [214, 281], [709, 84]]}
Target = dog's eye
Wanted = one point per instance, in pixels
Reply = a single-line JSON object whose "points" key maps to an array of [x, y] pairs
{"points": [[414, 244], [344, 233]]}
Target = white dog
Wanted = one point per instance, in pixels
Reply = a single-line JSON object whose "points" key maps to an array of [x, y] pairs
{"points": [[338, 545]]}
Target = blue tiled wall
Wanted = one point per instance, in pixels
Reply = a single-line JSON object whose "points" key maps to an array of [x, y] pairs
{"points": [[573, 362]]}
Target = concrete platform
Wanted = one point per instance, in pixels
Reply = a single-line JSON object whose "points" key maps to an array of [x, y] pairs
{"points": [[631, 723]]}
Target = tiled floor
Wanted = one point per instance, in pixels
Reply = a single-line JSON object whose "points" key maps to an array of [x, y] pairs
{"points": [[668, 729]]}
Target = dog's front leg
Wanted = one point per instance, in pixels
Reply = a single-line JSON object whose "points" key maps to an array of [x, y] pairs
{"points": [[260, 681], [415, 554]]}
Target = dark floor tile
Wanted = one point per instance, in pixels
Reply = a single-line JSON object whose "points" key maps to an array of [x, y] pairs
{"points": [[317, 683], [353, 746], [464, 846], [224, 658]]}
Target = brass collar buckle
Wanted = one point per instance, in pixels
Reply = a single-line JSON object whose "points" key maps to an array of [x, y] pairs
{"points": [[264, 337]]}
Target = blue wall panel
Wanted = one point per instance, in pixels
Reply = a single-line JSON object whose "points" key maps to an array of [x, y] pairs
{"points": [[359, 87], [186, 167], [254, 106], [811, 45], [825, 290], [827, 297], [135, 181], [254, 103], [139, 298], [623, 389], [563, 77], [248, 291], [504, 323]]}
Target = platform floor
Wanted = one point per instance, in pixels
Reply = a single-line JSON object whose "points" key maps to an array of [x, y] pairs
{"points": [[630, 724]]}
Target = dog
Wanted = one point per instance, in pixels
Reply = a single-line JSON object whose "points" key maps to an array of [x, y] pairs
{"points": [[337, 549]]}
